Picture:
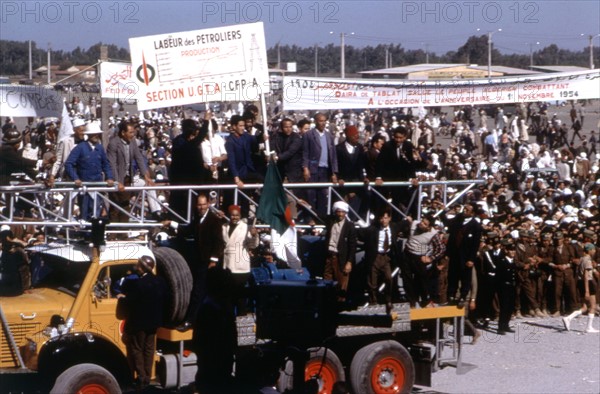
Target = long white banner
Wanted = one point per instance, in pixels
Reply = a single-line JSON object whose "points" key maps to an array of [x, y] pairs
{"points": [[300, 93], [36, 102], [25, 100], [220, 64], [117, 81]]}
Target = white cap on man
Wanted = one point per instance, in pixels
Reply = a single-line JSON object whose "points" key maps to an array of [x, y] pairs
{"points": [[78, 122], [93, 128], [341, 206]]}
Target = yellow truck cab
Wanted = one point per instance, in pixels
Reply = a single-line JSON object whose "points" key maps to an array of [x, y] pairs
{"points": [[69, 318]]}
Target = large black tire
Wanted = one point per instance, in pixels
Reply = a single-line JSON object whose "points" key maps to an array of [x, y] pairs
{"points": [[331, 371], [382, 367], [174, 269], [86, 379]]}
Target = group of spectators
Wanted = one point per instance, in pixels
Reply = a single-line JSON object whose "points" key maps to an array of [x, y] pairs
{"points": [[539, 195]]}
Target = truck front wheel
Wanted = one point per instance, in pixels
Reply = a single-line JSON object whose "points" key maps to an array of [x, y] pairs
{"points": [[382, 368], [86, 379]]}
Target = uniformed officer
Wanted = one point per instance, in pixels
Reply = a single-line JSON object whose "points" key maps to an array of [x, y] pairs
{"points": [[526, 252], [506, 280]]}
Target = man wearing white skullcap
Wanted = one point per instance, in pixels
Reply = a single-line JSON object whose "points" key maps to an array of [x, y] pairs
{"points": [[341, 249]]}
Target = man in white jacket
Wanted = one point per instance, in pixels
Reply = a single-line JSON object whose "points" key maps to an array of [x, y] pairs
{"points": [[65, 146], [239, 239]]}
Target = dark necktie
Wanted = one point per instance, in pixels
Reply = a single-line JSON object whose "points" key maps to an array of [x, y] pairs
{"points": [[386, 241]]}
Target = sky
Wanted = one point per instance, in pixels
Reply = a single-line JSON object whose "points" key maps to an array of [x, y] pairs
{"points": [[435, 26]]}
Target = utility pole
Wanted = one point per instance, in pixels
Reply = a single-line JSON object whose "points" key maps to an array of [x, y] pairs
{"points": [[489, 42], [342, 54], [343, 57], [591, 37], [30, 61], [531, 53], [278, 57], [49, 71], [387, 57]]}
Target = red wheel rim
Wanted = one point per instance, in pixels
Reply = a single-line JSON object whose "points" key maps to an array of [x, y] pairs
{"points": [[327, 377], [387, 376], [93, 388]]}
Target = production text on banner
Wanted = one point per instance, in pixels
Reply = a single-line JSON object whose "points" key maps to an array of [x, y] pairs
{"points": [[221, 64]]}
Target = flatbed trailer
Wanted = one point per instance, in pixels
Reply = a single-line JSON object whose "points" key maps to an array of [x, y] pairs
{"points": [[69, 337]]}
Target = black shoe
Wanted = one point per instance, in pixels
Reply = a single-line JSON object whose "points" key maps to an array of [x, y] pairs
{"points": [[505, 330], [185, 326], [461, 303]]}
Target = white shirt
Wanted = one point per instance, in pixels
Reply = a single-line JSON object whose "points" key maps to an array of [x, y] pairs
{"points": [[380, 243], [349, 148]]}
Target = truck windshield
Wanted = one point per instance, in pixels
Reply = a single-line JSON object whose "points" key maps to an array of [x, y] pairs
{"points": [[58, 273]]}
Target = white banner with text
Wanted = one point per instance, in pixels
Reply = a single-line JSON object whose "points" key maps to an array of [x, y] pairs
{"points": [[117, 81], [221, 64], [34, 101], [300, 93]]}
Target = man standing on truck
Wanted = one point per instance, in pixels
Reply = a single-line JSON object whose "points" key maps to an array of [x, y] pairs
{"points": [[381, 248], [239, 238], [341, 249], [65, 146], [465, 235], [144, 303], [123, 153], [208, 240], [88, 163]]}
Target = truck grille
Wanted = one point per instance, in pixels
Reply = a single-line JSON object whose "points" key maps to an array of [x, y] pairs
{"points": [[19, 332]]}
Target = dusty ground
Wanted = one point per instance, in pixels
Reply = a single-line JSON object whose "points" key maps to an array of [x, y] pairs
{"points": [[540, 357]]}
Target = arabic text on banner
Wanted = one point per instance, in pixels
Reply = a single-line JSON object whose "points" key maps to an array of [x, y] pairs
{"points": [[301, 93], [117, 81], [221, 64]]}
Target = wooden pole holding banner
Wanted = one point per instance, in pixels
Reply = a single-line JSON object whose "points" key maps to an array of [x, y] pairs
{"points": [[265, 119], [104, 103]]}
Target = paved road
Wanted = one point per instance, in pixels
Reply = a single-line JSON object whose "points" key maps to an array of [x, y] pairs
{"points": [[540, 357]]}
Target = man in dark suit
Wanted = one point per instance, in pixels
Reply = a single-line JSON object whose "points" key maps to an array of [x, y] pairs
{"points": [[372, 154], [122, 152], [205, 229], [144, 304], [381, 248], [319, 162], [351, 165], [397, 162], [239, 146], [341, 249], [463, 244], [506, 281], [288, 147], [187, 165]]}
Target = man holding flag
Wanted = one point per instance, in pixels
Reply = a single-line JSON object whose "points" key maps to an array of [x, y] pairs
{"points": [[273, 209]]}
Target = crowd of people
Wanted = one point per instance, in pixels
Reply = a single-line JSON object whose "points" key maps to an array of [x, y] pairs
{"points": [[539, 195]]}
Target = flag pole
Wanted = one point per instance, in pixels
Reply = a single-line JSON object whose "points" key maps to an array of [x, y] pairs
{"points": [[263, 105]]}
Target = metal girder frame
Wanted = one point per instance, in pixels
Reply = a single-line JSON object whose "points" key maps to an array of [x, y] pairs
{"points": [[66, 218]]}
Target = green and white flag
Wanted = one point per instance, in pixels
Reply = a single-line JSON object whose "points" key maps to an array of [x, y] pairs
{"points": [[273, 209]]}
